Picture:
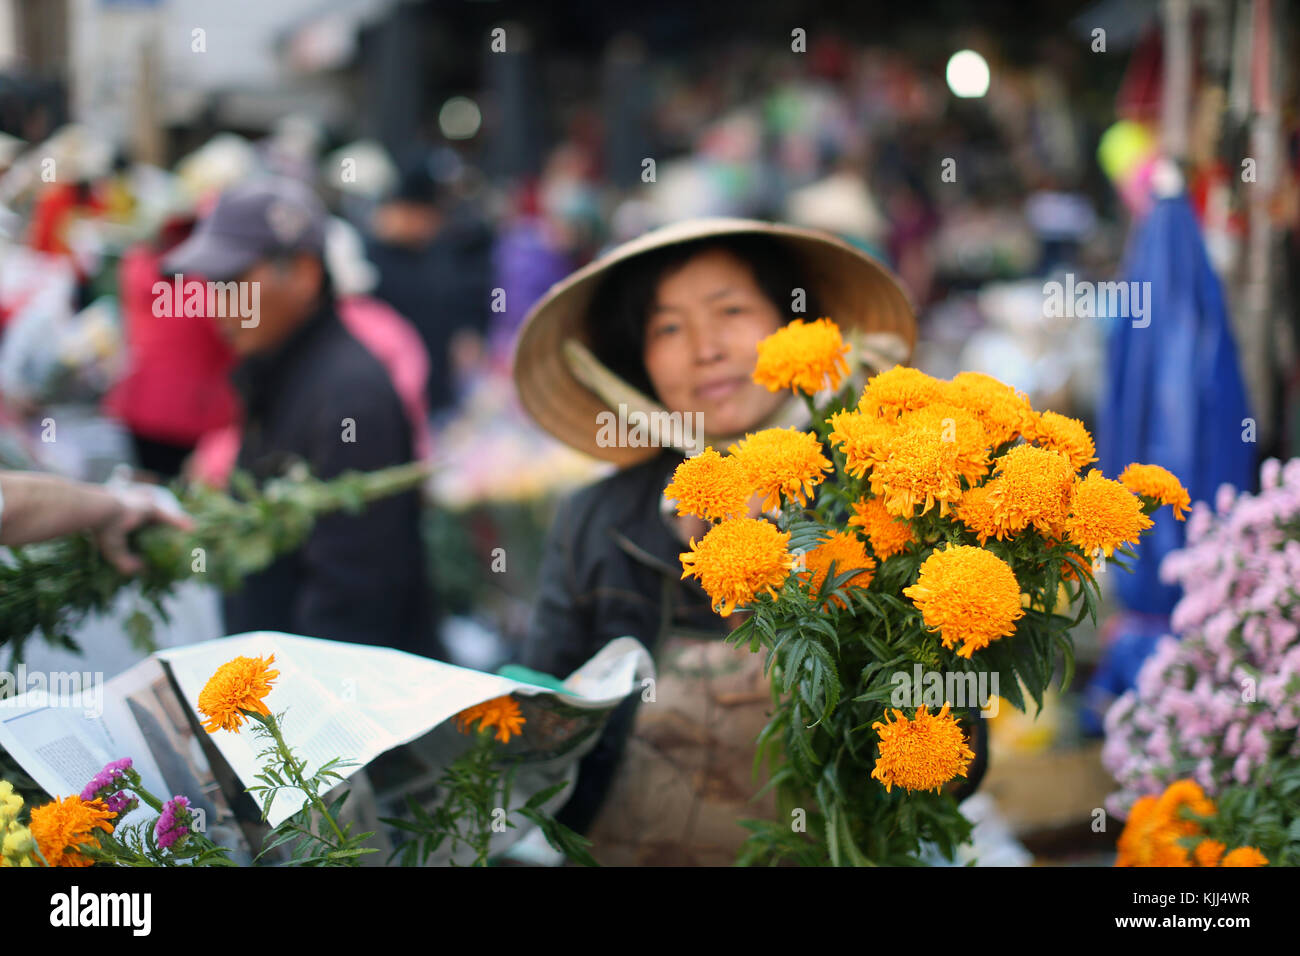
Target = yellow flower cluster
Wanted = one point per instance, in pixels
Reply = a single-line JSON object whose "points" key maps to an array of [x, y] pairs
{"points": [[1158, 830], [16, 841]]}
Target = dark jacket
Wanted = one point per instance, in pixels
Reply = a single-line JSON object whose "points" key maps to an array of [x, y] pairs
{"points": [[357, 578], [612, 567]]}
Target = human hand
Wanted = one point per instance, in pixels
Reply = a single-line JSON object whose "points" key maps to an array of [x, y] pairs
{"points": [[134, 506]]}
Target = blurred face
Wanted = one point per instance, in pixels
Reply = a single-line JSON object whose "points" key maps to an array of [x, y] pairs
{"points": [[285, 295], [701, 343]]}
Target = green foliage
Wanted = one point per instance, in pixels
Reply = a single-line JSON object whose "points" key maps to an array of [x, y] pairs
{"points": [[49, 588]]}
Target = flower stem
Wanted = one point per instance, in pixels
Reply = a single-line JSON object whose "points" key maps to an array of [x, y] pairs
{"points": [[292, 767]]}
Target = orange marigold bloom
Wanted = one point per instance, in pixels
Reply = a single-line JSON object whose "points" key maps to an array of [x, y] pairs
{"points": [[1159, 484], [917, 467], [499, 712], [976, 511], [1156, 825], [969, 596], [862, 438], [737, 559], [888, 535], [923, 753], [806, 356], [845, 551], [1104, 514], [710, 486], [1003, 411], [955, 426], [1066, 435], [1244, 856], [237, 687], [61, 828], [1034, 489], [782, 461], [899, 389], [1208, 852]]}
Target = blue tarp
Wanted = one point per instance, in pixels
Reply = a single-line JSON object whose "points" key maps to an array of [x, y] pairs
{"points": [[1174, 394]]}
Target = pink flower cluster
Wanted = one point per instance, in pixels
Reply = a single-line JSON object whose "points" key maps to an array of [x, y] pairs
{"points": [[1220, 703], [171, 825], [107, 786]]}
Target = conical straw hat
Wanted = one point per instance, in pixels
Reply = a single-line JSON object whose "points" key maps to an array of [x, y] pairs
{"points": [[556, 386]]}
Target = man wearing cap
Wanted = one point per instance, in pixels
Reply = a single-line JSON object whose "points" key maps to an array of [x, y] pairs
{"points": [[311, 393]]}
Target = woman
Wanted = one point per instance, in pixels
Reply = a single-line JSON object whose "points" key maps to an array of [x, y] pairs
{"points": [[670, 322]]}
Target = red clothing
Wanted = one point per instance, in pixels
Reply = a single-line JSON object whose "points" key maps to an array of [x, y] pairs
{"points": [[177, 387]]}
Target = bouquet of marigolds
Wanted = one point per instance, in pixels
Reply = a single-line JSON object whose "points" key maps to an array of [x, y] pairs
{"points": [[927, 546]]}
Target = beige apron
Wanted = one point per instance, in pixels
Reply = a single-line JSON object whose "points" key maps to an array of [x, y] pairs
{"points": [[686, 775]]}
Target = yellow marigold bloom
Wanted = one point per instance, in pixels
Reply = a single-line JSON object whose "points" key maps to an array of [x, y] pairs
{"points": [[1244, 856], [1059, 433], [969, 596], [899, 389], [807, 356], [781, 461], [1003, 411], [888, 535], [976, 511], [1156, 825], [1152, 481], [917, 467], [62, 828], [737, 559], [1034, 489], [1208, 852], [955, 426], [710, 486], [923, 753], [862, 438], [236, 687], [845, 551], [1104, 514], [500, 712]]}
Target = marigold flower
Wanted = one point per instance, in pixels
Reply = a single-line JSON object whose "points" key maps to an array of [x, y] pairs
{"points": [[923, 753], [1003, 411], [781, 461], [710, 486], [1208, 852], [737, 559], [1159, 484], [1104, 514], [899, 389], [976, 510], [845, 551], [955, 426], [917, 467], [1244, 856], [806, 356], [862, 438], [237, 687], [1156, 825], [1069, 436], [1034, 489], [888, 535], [968, 595], [500, 712], [62, 828]]}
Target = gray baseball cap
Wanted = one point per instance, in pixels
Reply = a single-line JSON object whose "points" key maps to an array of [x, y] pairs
{"points": [[252, 221]]}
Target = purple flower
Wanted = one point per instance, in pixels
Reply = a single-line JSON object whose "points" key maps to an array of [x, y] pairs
{"points": [[106, 784], [171, 826]]}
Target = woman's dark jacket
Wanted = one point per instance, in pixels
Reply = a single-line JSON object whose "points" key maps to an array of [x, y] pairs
{"points": [[611, 568]]}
